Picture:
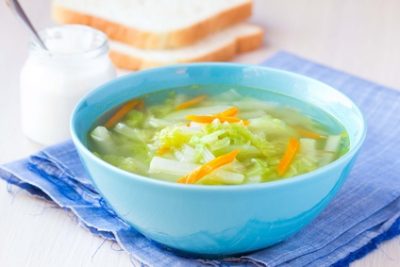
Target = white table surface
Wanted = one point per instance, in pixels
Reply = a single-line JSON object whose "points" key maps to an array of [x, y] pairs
{"points": [[361, 37]]}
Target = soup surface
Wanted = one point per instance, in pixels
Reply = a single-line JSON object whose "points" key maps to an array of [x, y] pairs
{"points": [[238, 136]]}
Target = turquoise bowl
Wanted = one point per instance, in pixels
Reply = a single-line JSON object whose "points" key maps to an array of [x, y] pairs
{"points": [[217, 220]]}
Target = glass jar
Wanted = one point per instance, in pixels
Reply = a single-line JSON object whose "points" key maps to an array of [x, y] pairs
{"points": [[52, 81]]}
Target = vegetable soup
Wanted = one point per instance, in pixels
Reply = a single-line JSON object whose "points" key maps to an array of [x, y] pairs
{"points": [[237, 136]]}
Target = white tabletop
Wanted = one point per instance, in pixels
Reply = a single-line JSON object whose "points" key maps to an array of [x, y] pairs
{"points": [[361, 37]]}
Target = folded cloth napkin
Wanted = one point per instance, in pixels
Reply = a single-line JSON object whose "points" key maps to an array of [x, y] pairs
{"points": [[364, 213]]}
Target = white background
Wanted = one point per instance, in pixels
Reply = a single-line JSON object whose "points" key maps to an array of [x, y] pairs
{"points": [[359, 36]]}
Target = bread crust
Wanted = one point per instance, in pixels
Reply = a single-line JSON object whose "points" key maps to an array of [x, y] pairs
{"points": [[154, 40], [250, 42], [227, 52]]}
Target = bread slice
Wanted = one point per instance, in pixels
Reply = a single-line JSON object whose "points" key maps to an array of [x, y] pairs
{"points": [[154, 24], [221, 46]]}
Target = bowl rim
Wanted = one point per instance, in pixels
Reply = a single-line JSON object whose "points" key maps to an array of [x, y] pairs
{"points": [[194, 187]]}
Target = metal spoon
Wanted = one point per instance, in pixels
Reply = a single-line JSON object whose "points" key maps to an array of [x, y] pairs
{"points": [[16, 7]]}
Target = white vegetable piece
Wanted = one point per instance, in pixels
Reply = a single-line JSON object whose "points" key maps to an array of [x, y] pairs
{"points": [[102, 140], [187, 154], [179, 169], [332, 143], [207, 155], [158, 123], [308, 148], [212, 137], [127, 131], [171, 167]]}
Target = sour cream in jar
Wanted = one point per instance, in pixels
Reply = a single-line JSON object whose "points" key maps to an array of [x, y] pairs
{"points": [[53, 81]]}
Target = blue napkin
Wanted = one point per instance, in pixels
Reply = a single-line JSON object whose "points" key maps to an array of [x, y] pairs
{"points": [[365, 213]]}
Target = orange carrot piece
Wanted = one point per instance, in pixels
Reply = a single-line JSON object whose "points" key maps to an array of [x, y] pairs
{"points": [[230, 112], [122, 111], [210, 118], [306, 133], [191, 102], [162, 150], [288, 156], [208, 168], [200, 118]]}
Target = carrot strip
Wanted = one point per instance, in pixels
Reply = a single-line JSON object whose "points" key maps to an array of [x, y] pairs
{"points": [[122, 111], [200, 118], [191, 102], [162, 150], [306, 133], [230, 112], [288, 156], [208, 168], [210, 118]]}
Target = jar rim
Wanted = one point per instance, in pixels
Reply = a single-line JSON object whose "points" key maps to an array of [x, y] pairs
{"points": [[99, 45]]}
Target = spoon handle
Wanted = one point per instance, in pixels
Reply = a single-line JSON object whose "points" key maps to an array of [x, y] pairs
{"points": [[16, 7]]}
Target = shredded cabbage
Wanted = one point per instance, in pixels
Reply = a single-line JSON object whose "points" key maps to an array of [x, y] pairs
{"points": [[159, 142]]}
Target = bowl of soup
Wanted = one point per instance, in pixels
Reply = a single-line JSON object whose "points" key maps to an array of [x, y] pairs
{"points": [[217, 159]]}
